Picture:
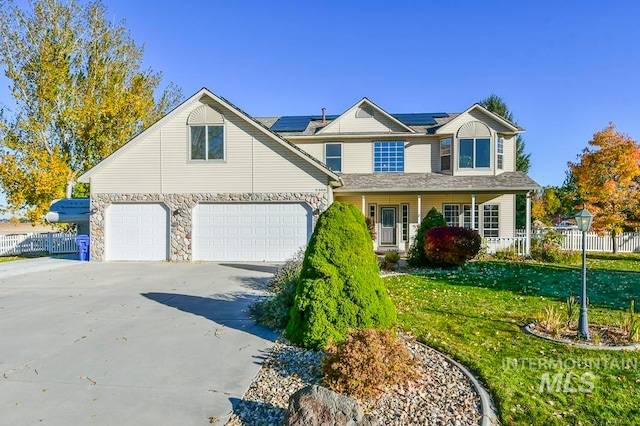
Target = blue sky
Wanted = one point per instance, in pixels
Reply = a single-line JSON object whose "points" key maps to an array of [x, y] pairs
{"points": [[565, 69]]}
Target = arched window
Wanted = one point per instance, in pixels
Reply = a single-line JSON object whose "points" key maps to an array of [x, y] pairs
{"points": [[474, 146], [206, 134]]}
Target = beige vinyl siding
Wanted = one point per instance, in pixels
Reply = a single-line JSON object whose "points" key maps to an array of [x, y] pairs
{"points": [[357, 154], [350, 123], [418, 155], [509, 155], [137, 171], [251, 162], [277, 170], [495, 125]]}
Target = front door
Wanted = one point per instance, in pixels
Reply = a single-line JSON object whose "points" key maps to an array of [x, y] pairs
{"points": [[388, 226]]}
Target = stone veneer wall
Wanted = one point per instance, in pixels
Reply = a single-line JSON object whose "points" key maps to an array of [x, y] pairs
{"points": [[181, 212]]}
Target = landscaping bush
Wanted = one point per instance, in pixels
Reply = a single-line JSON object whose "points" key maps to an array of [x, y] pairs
{"points": [[366, 363], [416, 256], [390, 260], [274, 311], [451, 246], [506, 254], [340, 286], [549, 249]]}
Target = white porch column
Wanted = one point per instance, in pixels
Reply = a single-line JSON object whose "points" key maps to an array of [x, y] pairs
{"points": [[528, 226], [419, 209], [364, 206], [473, 211]]}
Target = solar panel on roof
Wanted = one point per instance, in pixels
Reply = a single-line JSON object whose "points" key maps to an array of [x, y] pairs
{"points": [[415, 119], [297, 123], [291, 123]]}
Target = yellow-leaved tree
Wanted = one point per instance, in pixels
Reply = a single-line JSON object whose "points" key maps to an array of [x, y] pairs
{"points": [[607, 180], [79, 94]]}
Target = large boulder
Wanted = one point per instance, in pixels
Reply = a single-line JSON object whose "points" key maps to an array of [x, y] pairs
{"points": [[318, 406]]}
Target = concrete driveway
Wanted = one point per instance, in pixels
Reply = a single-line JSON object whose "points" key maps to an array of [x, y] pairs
{"points": [[128, 343]]}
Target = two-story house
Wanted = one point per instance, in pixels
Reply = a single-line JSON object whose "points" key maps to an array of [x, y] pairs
{"points": [[210, 182]]}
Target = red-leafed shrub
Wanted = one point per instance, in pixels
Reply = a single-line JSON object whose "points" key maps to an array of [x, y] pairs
{"points": [[451, 246]]}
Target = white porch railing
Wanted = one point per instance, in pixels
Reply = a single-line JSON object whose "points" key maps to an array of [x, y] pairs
{"points": [[515, 244], [53, 243]]}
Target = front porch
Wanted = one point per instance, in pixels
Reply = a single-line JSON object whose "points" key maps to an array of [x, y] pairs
{"points": [[397, 211]]}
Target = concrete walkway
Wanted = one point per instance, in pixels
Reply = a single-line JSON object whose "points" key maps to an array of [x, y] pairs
{"points": [[128, 343]]}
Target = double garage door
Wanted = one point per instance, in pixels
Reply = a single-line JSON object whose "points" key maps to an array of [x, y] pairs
{"points": [[221, 231]]}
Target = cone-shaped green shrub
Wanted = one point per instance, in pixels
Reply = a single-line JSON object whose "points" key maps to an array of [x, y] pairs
{"points": [[416, 256], [340, 286]]}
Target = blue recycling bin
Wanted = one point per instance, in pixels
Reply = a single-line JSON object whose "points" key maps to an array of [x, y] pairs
{"points": [[83, 247]]}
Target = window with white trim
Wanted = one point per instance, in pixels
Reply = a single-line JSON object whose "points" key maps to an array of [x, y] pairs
{"points": [[404, 210], [207, 143], [333, 155], [451, 213], [388, 156], [466, 213], [500, 149], [474, 153], [445, 154], [491, 220]]}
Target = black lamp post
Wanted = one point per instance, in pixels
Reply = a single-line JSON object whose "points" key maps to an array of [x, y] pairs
{"points": [[583, 220]]}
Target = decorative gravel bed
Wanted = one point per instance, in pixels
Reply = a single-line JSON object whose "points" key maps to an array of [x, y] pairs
{"points": [[602, 336], [442, 395]]}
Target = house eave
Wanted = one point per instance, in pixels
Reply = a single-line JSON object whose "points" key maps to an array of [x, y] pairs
{"points": [[523, 190]]}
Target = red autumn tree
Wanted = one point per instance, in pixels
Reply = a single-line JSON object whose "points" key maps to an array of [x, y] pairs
{"points": [[607, 180]]}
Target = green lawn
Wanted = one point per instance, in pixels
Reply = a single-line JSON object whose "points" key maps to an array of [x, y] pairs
{"points": [[475, 313], [22, 257]]}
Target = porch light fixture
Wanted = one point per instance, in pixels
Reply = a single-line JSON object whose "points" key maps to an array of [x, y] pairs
{"points": [[583, 220]]}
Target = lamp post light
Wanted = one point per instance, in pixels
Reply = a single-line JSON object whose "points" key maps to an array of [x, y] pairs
{"points": [[583, 220]]}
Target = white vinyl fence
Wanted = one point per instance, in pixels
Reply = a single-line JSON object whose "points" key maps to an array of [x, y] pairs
{"points": [[53, 243], [628, 242]]}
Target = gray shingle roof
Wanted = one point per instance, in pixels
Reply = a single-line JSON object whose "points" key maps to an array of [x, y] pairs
{"points": [[315, 125], [436, 182]]}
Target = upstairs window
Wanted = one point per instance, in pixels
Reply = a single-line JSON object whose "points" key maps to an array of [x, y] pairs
{"points": [[474, 145], [333, 156], [388, 156], [445, 154], [206, 134], [207, 143], [500, 149], [475, 153]]}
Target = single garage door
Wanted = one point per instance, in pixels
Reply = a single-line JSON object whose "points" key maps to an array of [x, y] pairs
{"points": [[249, 231], [137, 231]]}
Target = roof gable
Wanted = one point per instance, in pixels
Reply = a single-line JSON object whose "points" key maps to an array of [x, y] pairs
{"points": [[365, 117], [478, 112], [204, 92]]}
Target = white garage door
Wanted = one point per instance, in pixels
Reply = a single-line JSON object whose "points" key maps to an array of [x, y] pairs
{"points": [[249, 231], [137, 231]]}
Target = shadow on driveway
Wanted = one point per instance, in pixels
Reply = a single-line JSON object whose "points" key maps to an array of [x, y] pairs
{"points": [[231, 311], [270, 269]]}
